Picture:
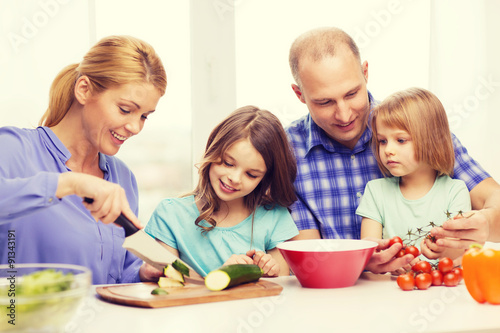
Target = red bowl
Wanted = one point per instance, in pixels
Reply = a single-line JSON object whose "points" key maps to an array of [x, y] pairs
{"points": [[327, 263]]}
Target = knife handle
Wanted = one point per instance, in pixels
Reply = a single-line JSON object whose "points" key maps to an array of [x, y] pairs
{"points": [[121, 220]]}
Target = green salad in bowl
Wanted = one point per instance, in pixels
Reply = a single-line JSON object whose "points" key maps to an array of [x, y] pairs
{"points": [[41, 297]]}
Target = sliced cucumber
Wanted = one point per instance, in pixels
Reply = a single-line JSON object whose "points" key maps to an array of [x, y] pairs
{"points": [[232, 275], [166, 282], [178, 265], [173, 273], [159, 291]]}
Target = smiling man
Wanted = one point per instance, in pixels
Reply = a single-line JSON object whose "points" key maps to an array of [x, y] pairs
{"points": [[334, 158]]}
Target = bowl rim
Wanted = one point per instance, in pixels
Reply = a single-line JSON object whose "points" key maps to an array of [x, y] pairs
{"points": [[84, 274], [13, 267], [367, 244]]}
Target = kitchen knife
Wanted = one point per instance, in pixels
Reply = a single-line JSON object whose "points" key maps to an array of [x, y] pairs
{"points": [[145, 246]]}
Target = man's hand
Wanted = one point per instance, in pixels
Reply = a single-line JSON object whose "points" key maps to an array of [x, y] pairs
{"points": [[463, 230]]}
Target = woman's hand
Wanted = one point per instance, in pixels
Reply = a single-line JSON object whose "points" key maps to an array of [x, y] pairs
{"points": [[148, 273], [109, 199]]}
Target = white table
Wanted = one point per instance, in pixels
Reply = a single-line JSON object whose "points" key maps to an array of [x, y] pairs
{"points": [[373, 304]]}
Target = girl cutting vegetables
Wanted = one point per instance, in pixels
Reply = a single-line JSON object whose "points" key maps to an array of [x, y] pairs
{"points": [[237, 213], [412, 142]]}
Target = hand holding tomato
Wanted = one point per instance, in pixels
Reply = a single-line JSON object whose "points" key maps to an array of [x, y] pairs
{"points": [[430, 249], [384, 258], [463, 230]]}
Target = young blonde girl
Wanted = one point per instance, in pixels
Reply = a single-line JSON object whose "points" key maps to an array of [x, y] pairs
{"points": [[237, 213], [412, 142]]}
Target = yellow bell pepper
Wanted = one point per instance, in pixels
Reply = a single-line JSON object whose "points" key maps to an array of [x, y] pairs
{"points": [[481, 272]]}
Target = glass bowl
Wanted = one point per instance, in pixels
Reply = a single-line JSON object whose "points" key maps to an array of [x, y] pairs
{"points": [[41, 297]]}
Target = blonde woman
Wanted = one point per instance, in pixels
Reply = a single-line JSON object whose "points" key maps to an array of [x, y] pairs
{"points": [[94, 108], [412, 143]]}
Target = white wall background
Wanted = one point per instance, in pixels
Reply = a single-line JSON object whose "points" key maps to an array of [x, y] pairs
{"points": [[449, 47]]}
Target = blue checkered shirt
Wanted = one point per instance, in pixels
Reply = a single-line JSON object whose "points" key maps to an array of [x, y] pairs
{"points": [[331, 178]]}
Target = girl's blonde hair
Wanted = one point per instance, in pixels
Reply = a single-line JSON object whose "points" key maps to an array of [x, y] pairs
{"points": [[113, 61], [420, 113], [266, 133]]}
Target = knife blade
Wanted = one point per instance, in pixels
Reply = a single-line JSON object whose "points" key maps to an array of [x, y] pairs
{"points": [[144, 246]]}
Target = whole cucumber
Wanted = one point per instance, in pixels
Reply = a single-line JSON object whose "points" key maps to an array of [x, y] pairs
{"points": [[232, 275]]}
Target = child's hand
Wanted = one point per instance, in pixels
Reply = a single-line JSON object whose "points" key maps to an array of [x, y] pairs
{"points": [[265, 261], [433, 251], [430, 249], [238, 259], [406, 268]]}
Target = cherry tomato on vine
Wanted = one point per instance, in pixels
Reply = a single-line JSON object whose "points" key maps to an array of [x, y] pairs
{"points": [[422, 266], [394, 240], [423, 281], [412, 250], [450, 279], [406, 281], [458, 272], [400, 253], [431, 238], [445, 265], [437, 277]]}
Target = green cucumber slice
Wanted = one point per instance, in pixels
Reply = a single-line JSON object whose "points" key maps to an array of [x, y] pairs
{"points": [[159, 291], [178, 265]]}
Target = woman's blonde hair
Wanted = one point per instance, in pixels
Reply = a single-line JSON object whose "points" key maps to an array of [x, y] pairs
{"points": [[113, 61], [420, 113], [267, 136]]}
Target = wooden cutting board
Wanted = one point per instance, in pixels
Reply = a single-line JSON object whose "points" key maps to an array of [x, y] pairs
{"points": [[139, 294]]}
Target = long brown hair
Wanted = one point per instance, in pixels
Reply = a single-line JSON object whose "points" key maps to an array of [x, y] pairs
{"points": [[266, 133], [113, 61], [420, 113]]}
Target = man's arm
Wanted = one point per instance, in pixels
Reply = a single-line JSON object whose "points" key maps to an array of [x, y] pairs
{"points": [[480, 225], [486, 198]]}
